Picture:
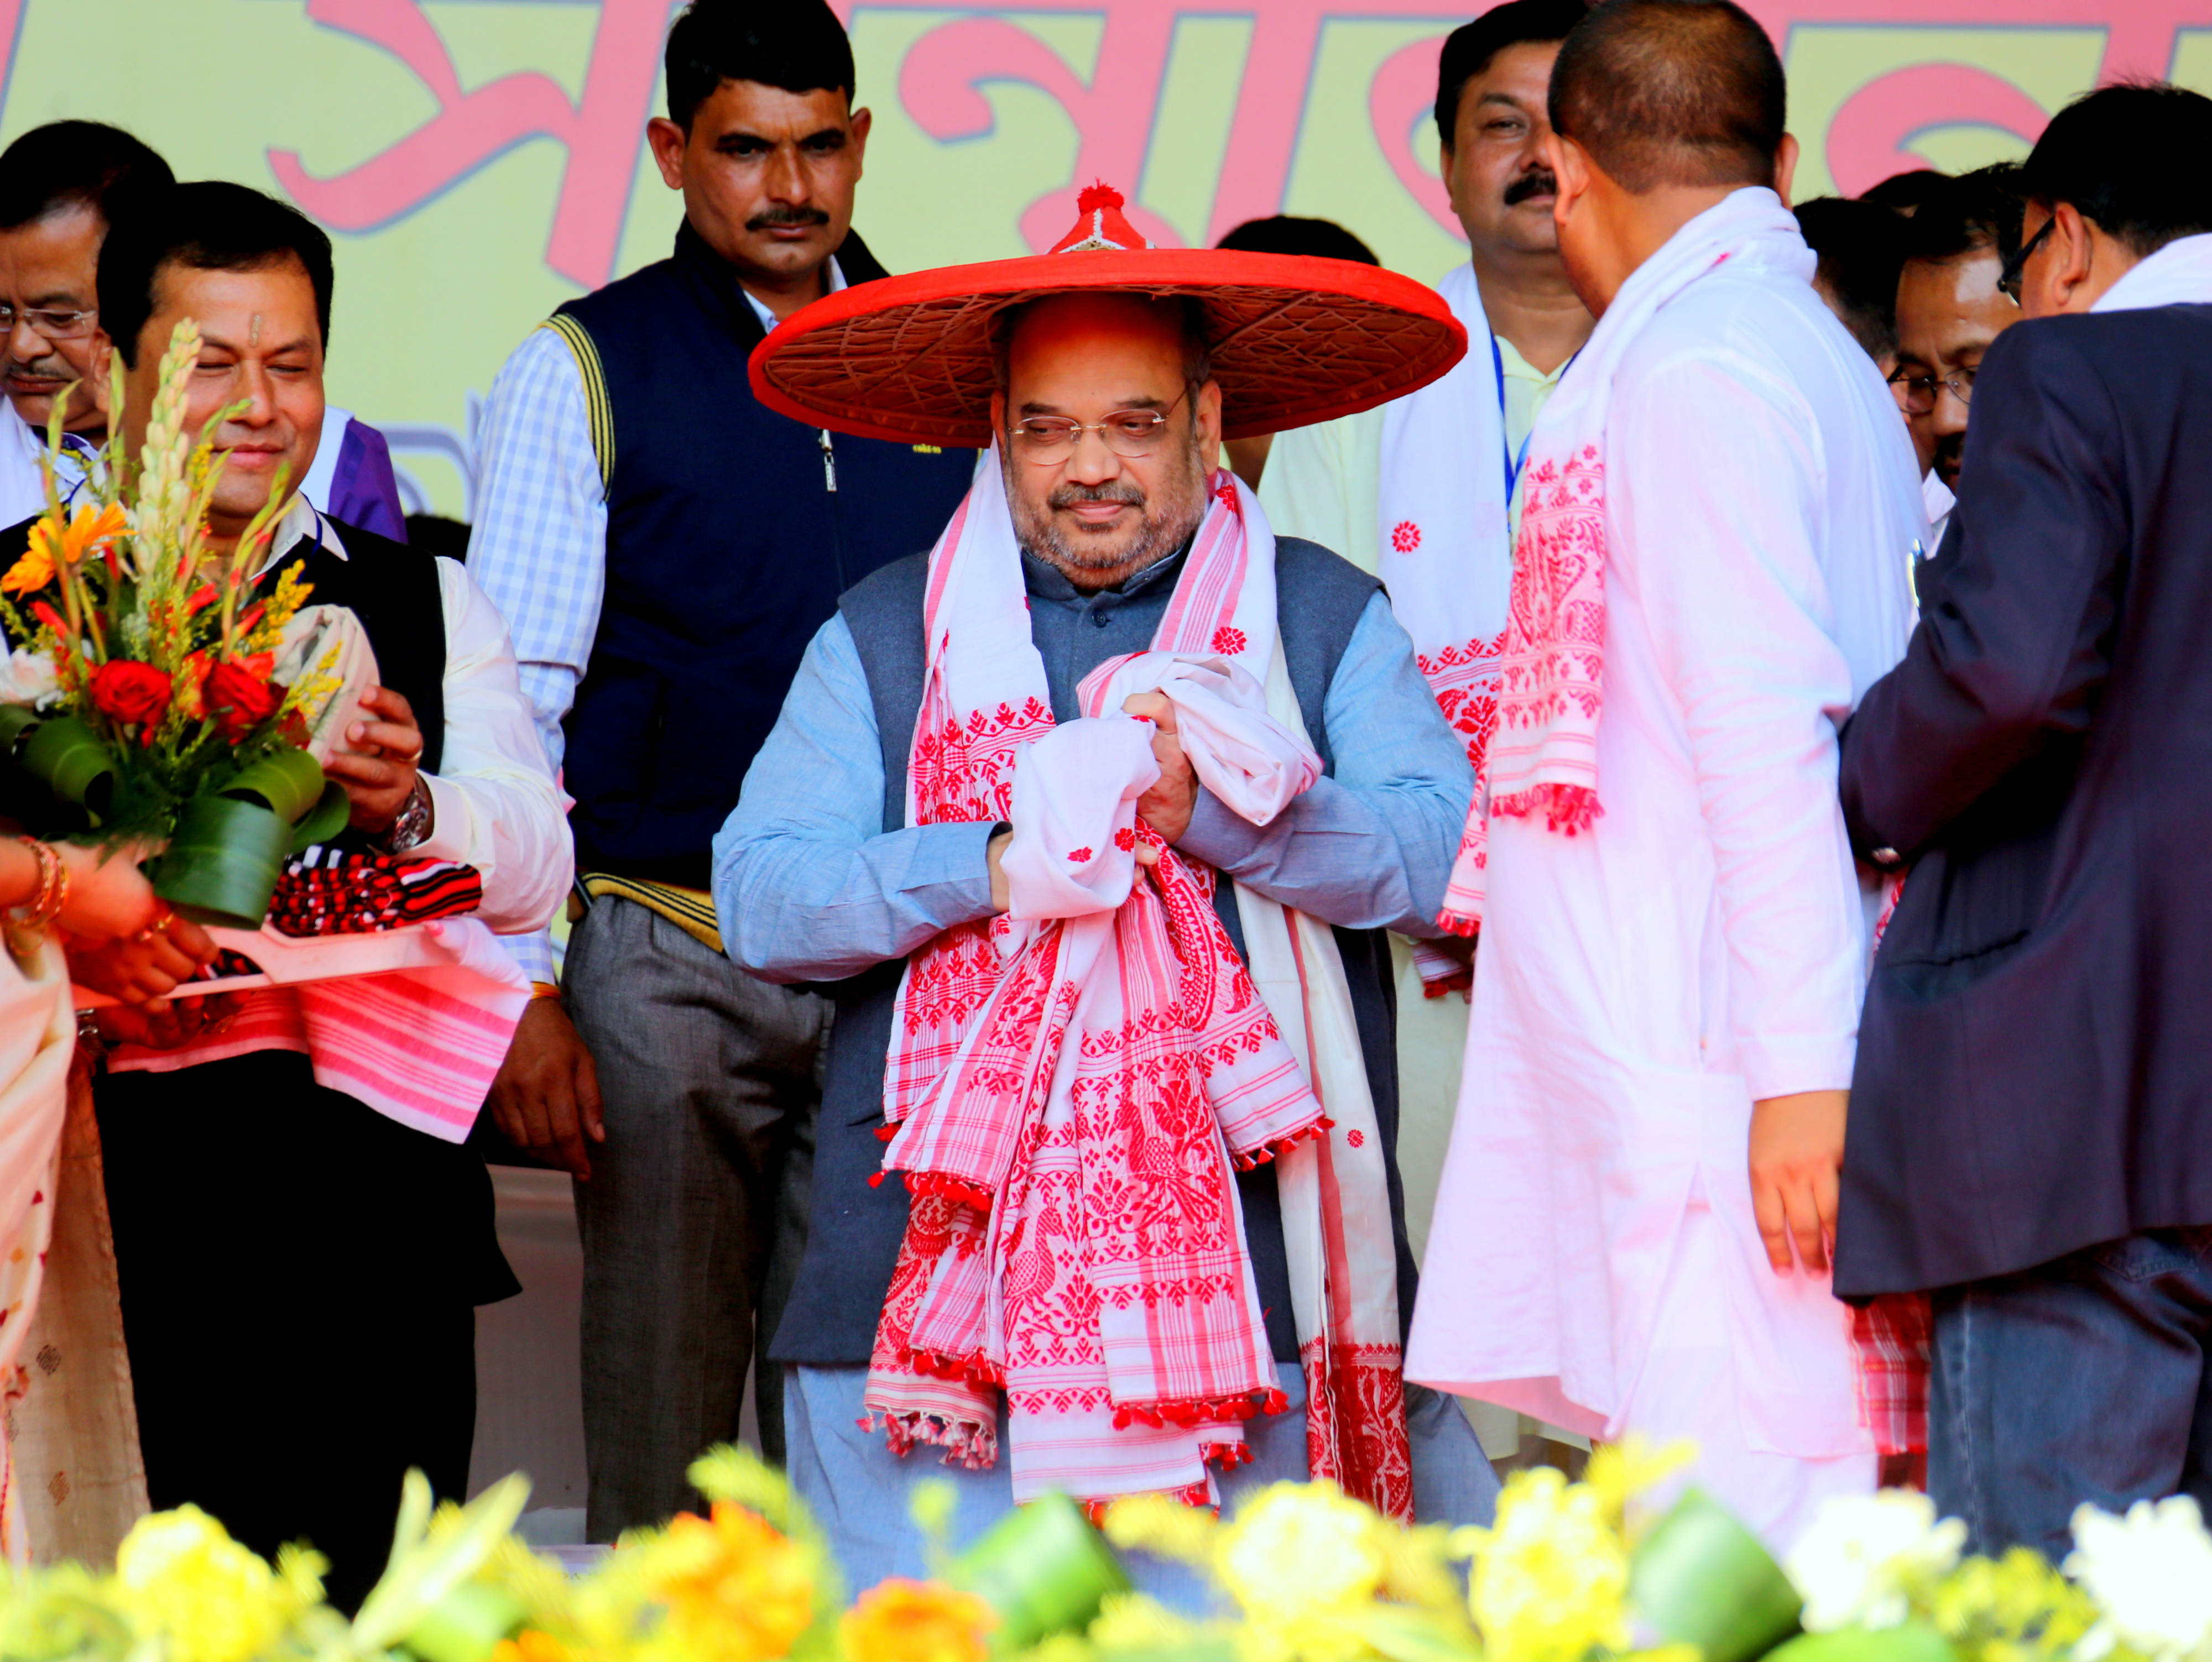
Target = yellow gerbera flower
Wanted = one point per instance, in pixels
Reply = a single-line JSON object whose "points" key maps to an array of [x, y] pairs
{"points": [[902, 1621], [1551, 1578], [736, 1590], [181, 1576]]}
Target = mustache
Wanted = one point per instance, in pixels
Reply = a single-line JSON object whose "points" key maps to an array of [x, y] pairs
{"points": [[1539, 182], [1067, 496], [53, 367], [785, 217]]}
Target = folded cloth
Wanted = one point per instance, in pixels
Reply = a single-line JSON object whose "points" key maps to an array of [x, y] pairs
{"points": [[330, 891], [420, 1045]]}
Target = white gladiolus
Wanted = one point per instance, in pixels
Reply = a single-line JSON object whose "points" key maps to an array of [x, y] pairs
{"points": [[26, 677], [1865, 1553], [2151, 1574]]}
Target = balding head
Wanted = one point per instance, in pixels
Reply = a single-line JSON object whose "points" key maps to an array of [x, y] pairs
{"points": [[1672, 93]]}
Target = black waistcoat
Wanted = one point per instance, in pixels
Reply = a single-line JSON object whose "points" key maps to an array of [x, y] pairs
{"points": [[854, 1238], [393, 590], [726, 549]]}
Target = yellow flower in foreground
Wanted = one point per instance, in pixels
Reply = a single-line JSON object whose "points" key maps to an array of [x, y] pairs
{"points": [[1551, 1580], [180, 1575], [736, 1589], [901, 1621], [1297, 1554]]}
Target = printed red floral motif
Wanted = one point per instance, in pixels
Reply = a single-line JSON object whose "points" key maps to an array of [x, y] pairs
{"points": [[1355, 1138], [1229, 641], [1078, 856], [1126, 839], [1404, 536]]}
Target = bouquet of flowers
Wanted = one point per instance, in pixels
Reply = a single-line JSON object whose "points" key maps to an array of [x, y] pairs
{"points": [[143, 690]]}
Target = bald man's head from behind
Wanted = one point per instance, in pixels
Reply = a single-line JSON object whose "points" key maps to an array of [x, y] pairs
{"points": [[1660, 109]]}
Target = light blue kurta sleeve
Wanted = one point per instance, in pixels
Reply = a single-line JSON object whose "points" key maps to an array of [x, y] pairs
{"points": [[808, 886], [1370, 846]]}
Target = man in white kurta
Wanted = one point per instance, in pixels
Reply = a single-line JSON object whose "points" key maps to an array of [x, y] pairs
{"points": [[1701, 945]]}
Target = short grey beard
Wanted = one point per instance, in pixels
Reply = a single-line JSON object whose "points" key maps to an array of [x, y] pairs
{"points": [[1040, 537]]}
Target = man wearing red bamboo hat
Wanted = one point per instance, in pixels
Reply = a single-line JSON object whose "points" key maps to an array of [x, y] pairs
{"points": [[1094, 818]]}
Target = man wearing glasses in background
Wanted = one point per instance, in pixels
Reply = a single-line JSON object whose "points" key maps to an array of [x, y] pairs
{"points": [[61, 187], [1950, 308]]}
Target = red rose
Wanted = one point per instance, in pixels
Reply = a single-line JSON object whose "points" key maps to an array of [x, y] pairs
{"points": [[128, 691], [239, 700]]}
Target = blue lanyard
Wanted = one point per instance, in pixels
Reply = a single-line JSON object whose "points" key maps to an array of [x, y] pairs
{"points": [[1515, 461]]}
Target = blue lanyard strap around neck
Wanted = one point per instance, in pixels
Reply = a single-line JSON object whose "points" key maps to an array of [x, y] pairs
{"points": [[1515, 460]]}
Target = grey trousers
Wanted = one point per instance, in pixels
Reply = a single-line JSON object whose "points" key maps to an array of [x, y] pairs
{"points": [[708, 1079]]}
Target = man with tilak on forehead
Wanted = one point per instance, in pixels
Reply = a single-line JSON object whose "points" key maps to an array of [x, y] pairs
{"points": [[1093, 818]]}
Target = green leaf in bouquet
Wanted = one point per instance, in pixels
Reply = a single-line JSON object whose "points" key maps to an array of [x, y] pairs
{"points": [[466, 1624], [1043, 1568], [16, 720], [285, 779], [323, 822], [1700, 1577], [1909, 1642], [74, 760], [1403, 1633], [426, 1569], [221, 865]]}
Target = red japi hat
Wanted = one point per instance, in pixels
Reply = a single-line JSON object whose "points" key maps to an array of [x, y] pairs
{"points": [[1294, 339]]}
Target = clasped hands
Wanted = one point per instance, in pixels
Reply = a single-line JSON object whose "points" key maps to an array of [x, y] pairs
{"points": [[1167, 807]]}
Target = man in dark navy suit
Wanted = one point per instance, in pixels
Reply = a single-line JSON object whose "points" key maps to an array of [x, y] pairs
{"points": [[2031, 1124], [663, 547]]}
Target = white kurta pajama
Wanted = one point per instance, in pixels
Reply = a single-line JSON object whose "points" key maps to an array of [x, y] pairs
{"points": [[1702, 946]]}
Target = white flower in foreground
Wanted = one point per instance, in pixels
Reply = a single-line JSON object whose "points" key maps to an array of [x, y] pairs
{"points": [[26, 677], [2151, 1574], [1865, 1553]]}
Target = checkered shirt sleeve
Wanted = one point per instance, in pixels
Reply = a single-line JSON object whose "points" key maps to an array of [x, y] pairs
{"points": [[539, 546]]}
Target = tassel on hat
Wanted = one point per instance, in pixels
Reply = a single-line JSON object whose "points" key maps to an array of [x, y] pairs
{"points": [[1102, 224]]}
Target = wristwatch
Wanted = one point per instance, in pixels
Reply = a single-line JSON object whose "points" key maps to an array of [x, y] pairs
{"points": [[413, 824]]}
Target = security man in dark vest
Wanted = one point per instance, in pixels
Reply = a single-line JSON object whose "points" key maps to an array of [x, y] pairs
{"points": [[663, 547], [299, 1273]]}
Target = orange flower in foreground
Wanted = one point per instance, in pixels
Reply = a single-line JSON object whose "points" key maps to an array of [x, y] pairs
{"points": [[529, 1645], [31, 573], [92, 529], [901, 1621], [736, 1590]]}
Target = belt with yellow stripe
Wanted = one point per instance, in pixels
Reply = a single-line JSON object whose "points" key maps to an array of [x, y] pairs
{"points": [[691, 909]]}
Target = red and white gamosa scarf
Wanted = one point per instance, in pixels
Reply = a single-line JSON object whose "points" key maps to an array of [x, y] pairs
{"points": [[1542, 756], [1072, 1087]]}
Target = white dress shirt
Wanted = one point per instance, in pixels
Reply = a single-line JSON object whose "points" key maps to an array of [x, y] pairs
{"points": [[495, 805]]}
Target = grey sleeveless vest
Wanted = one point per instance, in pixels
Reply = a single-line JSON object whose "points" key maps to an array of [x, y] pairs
{"points": [[854, 1236]]}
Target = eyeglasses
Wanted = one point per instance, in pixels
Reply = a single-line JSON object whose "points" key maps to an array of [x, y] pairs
{"points": [[54, 325], [1915, 394], [2015, 269], [1131, 434]]}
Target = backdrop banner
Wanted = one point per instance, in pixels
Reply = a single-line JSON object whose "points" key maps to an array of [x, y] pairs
{"points": [[479, 160]]}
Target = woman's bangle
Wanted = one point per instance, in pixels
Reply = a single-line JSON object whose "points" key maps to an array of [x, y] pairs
{"points": [[52, 893], [544, 990]]}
